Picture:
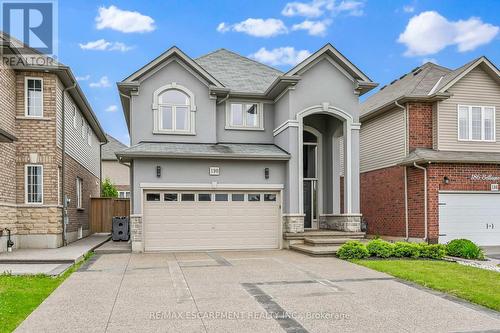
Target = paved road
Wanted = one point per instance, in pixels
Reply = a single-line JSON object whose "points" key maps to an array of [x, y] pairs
{"points": [[245, 292]]}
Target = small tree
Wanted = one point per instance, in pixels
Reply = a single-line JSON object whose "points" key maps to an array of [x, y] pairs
{"points": [[108, 189]]}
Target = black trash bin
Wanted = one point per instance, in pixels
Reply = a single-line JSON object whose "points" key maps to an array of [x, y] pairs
{"points": [[120, 228]]}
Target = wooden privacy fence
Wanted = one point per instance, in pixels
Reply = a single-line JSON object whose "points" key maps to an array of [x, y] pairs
{"points": [[102, 211]]}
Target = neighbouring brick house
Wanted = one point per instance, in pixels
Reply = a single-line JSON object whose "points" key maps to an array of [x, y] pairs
{"points": [[118, 173], [43, 160], [430, 158]]}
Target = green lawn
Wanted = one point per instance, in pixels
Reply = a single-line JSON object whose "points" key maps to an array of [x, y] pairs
{"points": [[473, 284], [20, 295]]}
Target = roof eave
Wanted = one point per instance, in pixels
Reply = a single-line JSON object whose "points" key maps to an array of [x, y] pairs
{"points": [[126, 157]]}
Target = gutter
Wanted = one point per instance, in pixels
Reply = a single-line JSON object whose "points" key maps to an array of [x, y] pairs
{"points": [[63, 162], [425, 199]]}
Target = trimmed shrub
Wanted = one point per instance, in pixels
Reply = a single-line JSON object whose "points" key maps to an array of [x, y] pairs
{"points": [[464, 248], [432, 251], [352, 250], [406, 249], [380, 248]]}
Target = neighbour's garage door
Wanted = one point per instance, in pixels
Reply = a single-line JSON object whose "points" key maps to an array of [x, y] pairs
{"points": [[475, 216], [175, 220]]}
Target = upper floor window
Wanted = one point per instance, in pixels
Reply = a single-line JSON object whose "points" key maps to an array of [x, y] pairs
{"points": [[476, 123], [34, 97], [34, 184], [79, 193], [244, 116]]}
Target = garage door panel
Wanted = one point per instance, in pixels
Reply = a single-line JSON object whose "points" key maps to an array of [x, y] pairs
{"points": [[211, 225], [474, 216]]}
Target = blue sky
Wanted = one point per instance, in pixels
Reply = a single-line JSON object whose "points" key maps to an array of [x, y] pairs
{"points": [[105, 41]]}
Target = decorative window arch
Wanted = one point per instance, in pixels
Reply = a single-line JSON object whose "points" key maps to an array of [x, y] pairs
{"points": [[174, 109]]}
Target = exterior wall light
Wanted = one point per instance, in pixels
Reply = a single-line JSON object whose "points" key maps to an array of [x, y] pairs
{"points": [[158, 171], [446, 180], [266, 173]]}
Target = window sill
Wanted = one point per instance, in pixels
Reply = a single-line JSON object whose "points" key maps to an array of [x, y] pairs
{"points": [[477, 141], [229, 128], [173, 133], [34, 118]]}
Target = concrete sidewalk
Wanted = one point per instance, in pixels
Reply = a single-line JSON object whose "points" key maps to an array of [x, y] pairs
{"points": [[48, 261]]}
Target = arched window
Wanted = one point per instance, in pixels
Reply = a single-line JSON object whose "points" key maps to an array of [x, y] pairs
{"points": [[174, 108]]}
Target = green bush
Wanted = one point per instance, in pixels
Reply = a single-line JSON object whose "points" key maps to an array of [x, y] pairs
{"points": [[352, 250], [464, 248], [380, 248], [108, 189], [432, 251], [406, 250]]}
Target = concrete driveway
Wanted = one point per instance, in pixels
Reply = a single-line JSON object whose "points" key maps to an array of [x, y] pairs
{"points": [[245, 292]]}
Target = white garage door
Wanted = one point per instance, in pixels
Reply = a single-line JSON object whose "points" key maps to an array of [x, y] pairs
{"points": [[475, 216], [207, 220]]}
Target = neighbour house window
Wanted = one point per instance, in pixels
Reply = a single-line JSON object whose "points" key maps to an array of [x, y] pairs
{"points": [[34, 97], [79, 192], [476, 123], [174, 111], [34, 184], [123, 194], [244, 116]]}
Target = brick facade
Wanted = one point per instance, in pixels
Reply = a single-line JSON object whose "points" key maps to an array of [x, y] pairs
{"points": [[420, 125], [37, 225], [382, 201]]}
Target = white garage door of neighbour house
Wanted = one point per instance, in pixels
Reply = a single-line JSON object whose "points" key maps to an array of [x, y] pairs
{"points": [[211, 220], [474, 216]]}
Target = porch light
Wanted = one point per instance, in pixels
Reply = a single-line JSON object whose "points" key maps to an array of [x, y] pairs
{"points": [[158, 171], [446, 180]]}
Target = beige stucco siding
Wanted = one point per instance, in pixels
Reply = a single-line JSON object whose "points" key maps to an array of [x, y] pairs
{"points": [[382, 140], [118, 173], [476, 88]]}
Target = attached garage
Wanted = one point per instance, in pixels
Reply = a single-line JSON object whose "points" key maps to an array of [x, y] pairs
{"points": [[211, 220], [475, 216]]}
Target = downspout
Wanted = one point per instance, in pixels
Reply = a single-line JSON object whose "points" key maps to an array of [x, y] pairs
{"points": [[425, 197], [407, 232], [224, 99], [63, 162]]}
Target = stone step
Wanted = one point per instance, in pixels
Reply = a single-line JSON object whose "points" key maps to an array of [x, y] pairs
{"points": [[323, 241], [324, 233], [315, 250]]}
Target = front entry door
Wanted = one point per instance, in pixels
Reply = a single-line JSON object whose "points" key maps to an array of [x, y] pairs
{"points": [[310, 204]]}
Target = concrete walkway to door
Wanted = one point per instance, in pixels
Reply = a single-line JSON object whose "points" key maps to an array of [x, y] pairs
{"points": [[245, 292]]}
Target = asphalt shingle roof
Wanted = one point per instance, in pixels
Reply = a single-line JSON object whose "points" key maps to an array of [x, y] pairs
{"points": [[109, 149], [238, 73], [422, 155], [205, 150]]}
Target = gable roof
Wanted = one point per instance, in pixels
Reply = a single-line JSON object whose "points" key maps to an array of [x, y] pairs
{"points": [[15, 47], [426, 82], [109, 149], [237, 72]]}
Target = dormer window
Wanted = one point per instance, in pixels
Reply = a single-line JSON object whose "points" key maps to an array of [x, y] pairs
{"points": [[244, 116], [174, 110]]}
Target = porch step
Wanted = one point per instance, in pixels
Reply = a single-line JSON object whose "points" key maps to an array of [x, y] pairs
{"points": [[315, 250], [326, 241], [325, 234]]}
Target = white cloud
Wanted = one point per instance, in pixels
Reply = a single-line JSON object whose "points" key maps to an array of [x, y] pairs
{"points": [[408, 9], [102, 83], [83, 78], [123, 20], [429, 33], [280, 56], [104, 45], [317, 8], [256, 27], [111, 108], [313, 28]]}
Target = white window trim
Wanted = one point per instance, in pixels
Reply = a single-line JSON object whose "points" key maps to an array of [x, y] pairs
{"points": [[244, 127], [26, 184], [26, 114], [469, 123], [79, 193], [157, 114]]}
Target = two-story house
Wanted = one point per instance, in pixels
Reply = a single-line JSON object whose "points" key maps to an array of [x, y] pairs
{"points": [[50, 150], [228, 153], [112, 169], [430, 155]]}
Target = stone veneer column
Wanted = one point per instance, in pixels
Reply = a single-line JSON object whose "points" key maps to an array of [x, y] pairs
{"points": [[293, 223], [343, 222], [136, 234]]}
